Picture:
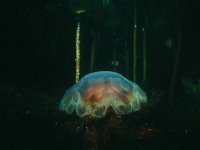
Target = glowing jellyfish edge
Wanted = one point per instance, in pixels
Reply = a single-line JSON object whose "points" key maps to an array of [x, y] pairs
{"points": [[96, 92]]}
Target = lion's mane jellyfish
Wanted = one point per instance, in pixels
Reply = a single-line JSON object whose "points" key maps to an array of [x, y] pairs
{"points": [[99, 92]]}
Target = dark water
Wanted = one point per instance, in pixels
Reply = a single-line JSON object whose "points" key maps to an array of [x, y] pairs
{"points": [[37, 66]]}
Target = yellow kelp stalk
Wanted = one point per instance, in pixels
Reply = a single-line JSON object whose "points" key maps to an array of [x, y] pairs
{"points": [[77, 53]]}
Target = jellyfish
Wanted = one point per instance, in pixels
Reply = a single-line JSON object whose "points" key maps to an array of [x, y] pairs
{"points": [[99, 92]]}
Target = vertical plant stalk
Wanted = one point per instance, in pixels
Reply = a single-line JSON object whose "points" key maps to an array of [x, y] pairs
{"points": [[115, 56], [126, 57], [93, 51], [135, 43], [78, 55], [177, 57], [144, 55]]}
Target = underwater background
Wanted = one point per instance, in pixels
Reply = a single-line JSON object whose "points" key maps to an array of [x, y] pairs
{"points": [[154, 43]]}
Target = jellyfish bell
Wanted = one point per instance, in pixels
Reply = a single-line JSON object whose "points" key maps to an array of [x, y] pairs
{"points": [[96, 93]]}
